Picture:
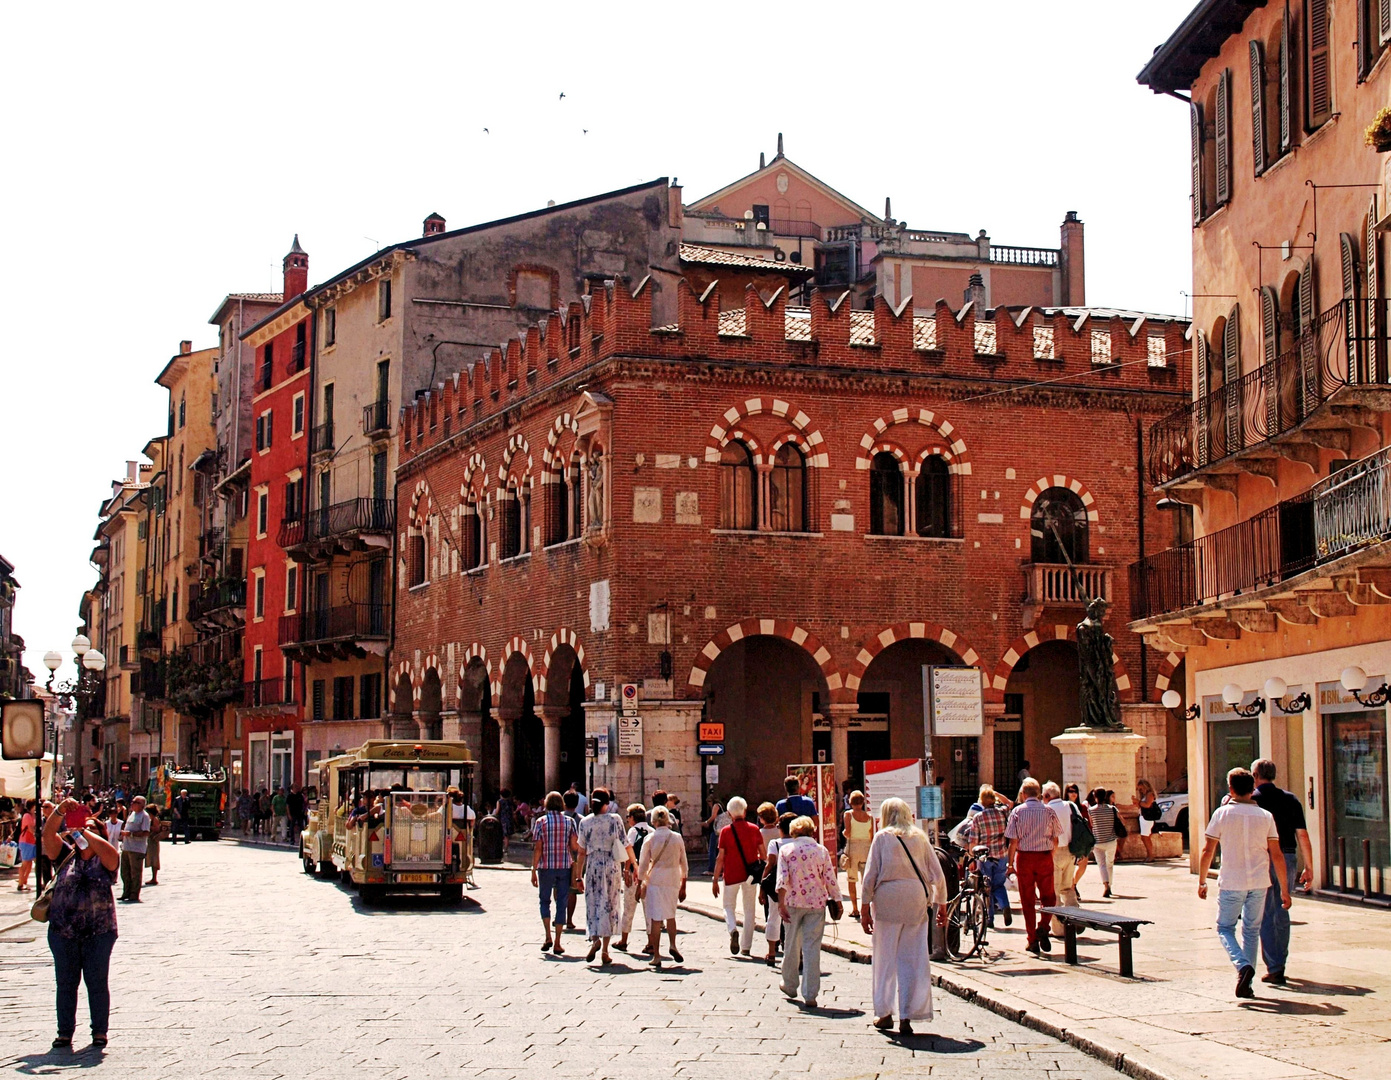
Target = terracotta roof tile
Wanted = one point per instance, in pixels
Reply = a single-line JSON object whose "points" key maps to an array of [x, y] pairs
{"points": [[696, 253]]}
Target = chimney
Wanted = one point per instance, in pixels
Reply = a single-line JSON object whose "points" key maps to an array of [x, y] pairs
{"points": [[434, 225], [761, 163], [185, 347], [1072, 263], [779, 144], [888, 211], [975, 294], [296, 271], [132, 472], [675, 208]]}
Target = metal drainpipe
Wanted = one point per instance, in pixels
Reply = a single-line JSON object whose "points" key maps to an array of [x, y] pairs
{"points": [[1140, 514], [302, 584]]}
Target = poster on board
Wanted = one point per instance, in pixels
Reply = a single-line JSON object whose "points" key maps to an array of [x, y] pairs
{"points": [[953, 702], [897, 778], [818, 783]]}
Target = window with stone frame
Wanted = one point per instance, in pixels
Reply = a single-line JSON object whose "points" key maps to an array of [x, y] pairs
{"points": [[738, 487], [1058, 527], [473, 536], [416, 562], [932, 496], [787, 491], [885, 495], [511, 539]]}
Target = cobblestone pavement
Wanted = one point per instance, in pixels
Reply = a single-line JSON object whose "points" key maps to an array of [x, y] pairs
{"points": [[239, 965]]}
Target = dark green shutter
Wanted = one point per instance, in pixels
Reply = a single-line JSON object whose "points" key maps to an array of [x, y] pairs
{"points": [[1223, 122], [1257, 107]]}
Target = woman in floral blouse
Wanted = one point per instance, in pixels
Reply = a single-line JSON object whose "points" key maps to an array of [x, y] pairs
{"points": [[806, 883], [81, 921]]}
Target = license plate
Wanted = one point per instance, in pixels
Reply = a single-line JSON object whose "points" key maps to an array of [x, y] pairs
{"points": [[415, 879]]}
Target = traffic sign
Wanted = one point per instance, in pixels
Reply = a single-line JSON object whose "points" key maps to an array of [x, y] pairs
{"points": [[712, 749], [628, 697], [711, 732], [630, 736]]}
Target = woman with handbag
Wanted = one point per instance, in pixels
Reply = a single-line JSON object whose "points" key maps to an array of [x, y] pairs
{"points": [[739, 866], [807, 888], [662, 877], [81, 916], [1149, 814], [28, 846], [903, 887]]}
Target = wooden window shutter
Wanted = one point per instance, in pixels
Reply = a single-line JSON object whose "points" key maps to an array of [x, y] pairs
{"points": [[1200, 359], [1195, 121], [1349, 250], [1366, 36], [1384, 29], [1320, 90], [1231, 378], [1258, 106], [1348, 246], [1375, 349], [1224, 137], [1270, 350], [1286, 127]]}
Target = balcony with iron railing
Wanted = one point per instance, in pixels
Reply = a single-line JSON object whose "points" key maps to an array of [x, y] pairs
{"points": [[1349, 513], [318, 630], [297, 357], [1307, 396], [217, 598], [321, 439], [790, 227], [376, 418], [263, 693], [339, 523]]}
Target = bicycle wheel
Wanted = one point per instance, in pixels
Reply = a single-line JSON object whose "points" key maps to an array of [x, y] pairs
{"points": [[961, 939]]}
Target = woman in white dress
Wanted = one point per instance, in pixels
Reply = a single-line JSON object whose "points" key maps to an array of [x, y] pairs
{"points": [[903, 885], [662, 883], [602, 838]]}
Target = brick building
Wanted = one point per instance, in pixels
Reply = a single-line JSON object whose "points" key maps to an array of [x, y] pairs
{"points": [[774, 517], [1279, 459]]}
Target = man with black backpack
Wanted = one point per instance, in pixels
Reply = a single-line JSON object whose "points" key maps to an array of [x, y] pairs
{"points": [[638, 832]]}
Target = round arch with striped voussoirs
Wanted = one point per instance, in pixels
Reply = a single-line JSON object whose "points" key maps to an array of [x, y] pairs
{"points": [[999, 679], [755, 627]]}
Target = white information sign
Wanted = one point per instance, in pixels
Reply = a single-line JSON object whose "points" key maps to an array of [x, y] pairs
{"points": [[953, 697], [630, 736], [895, 779]]}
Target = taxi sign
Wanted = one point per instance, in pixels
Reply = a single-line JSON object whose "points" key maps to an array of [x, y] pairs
{"points": [[711, 732]]}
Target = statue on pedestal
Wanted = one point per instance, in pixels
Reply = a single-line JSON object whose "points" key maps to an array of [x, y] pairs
{"points": [[1098, 696]]}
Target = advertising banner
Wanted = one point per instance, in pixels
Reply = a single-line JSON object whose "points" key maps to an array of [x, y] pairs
{"points": [[818, 783]]}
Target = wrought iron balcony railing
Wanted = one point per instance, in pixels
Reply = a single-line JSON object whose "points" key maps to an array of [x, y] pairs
{"points": [[347, 623], [260, 692], [1349, 510], [1347, 346], [321, 439], [348, 518], [376, 417], [224, 595]]}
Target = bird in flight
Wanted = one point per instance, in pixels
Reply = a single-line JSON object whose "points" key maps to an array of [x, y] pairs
{"points": [[585, 130], [486, 131], [562, 95]]}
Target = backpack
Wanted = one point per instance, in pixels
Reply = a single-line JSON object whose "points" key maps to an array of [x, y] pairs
{"points": [[1083, 839], [638, 841]]}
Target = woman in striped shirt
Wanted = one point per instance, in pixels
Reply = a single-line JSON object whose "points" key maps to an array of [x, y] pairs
{"points": [[1104, 821]]}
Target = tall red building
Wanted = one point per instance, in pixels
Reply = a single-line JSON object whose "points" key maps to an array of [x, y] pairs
{"points": [[272, 704]]}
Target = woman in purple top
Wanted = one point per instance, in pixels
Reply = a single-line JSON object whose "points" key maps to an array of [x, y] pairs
{"points": [[81, 921]]}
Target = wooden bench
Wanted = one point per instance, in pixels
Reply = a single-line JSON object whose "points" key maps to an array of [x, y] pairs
{"points": [[1124, 926]]}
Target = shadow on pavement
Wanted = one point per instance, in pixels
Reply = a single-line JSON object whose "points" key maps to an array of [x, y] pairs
{"points": [[936, 1044], [1305, 986], [56, 1062], [1292, 1008]]}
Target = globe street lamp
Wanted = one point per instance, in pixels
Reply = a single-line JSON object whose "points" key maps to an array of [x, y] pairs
{"points": [[1172, 699]]}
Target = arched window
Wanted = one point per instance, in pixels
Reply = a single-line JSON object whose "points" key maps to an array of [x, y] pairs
{"points": [[933, 497], [558, 528], [511, 524], [417, 559], [738, 503], [787, 508], [576, 482], [473, 536], [1059, 525], [885, 495]]}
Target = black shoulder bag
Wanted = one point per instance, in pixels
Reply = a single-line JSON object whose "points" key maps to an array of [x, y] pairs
{"points": [[927, 893], [753, 871]]}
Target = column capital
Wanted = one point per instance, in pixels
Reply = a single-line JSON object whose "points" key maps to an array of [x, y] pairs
{"points": [[504, 714], [840, 712], [552, 715]]}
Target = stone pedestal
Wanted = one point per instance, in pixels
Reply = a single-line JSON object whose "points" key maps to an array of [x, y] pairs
{"points": [[1094, 758]]}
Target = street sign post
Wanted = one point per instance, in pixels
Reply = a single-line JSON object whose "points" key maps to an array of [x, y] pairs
{"points": [[629, 735], [714, 749], [628, 698]]}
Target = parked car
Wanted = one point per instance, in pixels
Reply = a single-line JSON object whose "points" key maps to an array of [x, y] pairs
{"points": [[1173, 808]]}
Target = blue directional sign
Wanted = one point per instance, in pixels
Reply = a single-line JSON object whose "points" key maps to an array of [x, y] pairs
{"points": [[710, 749]]}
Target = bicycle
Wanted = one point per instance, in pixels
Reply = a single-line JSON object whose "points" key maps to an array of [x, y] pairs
{"points": [[969, 910]]}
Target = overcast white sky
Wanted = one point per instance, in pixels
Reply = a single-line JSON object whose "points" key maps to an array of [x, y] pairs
{"points": [[161, 157]]}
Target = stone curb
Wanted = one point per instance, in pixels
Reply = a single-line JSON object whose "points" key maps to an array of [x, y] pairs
{"points": [[1044, 1021]]}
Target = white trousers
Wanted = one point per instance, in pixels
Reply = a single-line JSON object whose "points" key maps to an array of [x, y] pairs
{"points": [[1104, 855], [772, 930], [730, 894], [901, 971], [630, 907]]}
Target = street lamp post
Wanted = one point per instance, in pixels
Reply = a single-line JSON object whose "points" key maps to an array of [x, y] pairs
{"points": [[90, 664]]}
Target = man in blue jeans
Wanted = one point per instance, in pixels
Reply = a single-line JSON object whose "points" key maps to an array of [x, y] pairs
{"points": [[1250, 850], [1288, 812], [555, 842], [988, 828]]}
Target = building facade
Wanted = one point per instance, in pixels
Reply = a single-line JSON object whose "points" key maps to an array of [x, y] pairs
{"points": [[773, 518], [14, 676], [1278, 461]]}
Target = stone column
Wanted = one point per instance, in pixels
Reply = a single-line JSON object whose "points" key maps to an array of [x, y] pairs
{"points": [[551, 715], [403, 726], [506, 721], [910, 503], [985, 754], [449, 725], [469, 726], [840, 713]]}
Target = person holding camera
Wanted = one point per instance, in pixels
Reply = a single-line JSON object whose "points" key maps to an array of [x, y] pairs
{"points": [[81, 920]]}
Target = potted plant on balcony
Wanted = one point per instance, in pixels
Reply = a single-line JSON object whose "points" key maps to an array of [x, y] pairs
{"points": [[1379, 131]]}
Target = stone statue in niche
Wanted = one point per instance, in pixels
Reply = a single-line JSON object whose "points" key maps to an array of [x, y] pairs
{"points": [[1098, 696], [594, 506]]}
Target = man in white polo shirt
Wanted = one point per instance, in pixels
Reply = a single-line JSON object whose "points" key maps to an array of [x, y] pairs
{"points": [[1250, 849]]}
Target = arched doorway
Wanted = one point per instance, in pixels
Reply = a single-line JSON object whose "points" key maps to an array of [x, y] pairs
{"points": [[528, 735], [431, 702], [891, 717], [766, 691], [479, 729], [1042, 697], [565, 689]]}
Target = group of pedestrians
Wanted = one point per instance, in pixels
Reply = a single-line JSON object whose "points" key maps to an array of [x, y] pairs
{"points": [[281, 814]]}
